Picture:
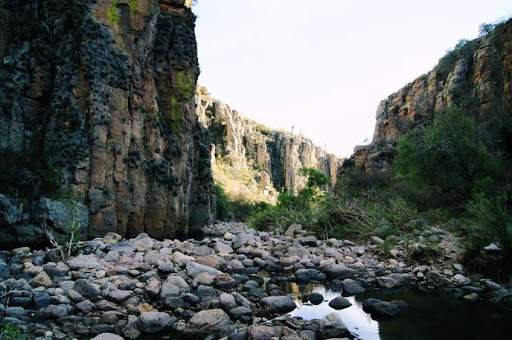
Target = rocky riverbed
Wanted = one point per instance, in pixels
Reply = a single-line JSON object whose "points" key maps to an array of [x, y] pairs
{"points": [[214, 288]]}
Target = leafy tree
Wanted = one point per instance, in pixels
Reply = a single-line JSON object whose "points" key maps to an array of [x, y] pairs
{"points": [[316, 179], [447, 155]]}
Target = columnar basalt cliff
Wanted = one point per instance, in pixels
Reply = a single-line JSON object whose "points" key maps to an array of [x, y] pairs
{"points": [[475, 76], [274, 157], [99, 94]]}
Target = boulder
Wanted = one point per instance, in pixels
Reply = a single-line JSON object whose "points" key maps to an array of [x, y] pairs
{"points": [[181, 259], [376, 240], [209, 322], [86, 288], [221, 247], [122, 247], [240, 313], [309, 275], [351, 287], [383, 308], [339, 271], [243, 239], [261, 332], [461, 280], [107, 336], [154, 322], [61, 214], [388, 282], [311, 241], [174, 286], [41, 279], [332, 326], [111, 238], [339, 303], [83, 261], [316, 298], [293, 230], [10, 211], [277, 305], [193, 269]]}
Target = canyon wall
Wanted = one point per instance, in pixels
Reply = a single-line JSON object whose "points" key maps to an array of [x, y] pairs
{"points": [[475, 76], [272, 157], [97, 102]]}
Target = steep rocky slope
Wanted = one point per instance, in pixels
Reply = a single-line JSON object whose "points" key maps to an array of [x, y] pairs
{"points": [[267, 160], [475, 76], [97, 97]]}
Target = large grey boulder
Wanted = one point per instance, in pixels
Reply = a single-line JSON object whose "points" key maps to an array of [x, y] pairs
{"points": [[261, 332], [243, 239], [209, 322], [383, 308], [309, 274], [122, 247], [221, 247], [332, 326], [108, 336], [277, 305], [388, 282], [60, 214], [83, 261], [351, 287], [154, 322], [10, 211], [339, 271], [174, 286], [194, 269], [86, 288]]}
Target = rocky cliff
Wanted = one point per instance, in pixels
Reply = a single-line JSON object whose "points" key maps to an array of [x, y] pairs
{"points": [[267, 160], [475, 76], [97, 100]]}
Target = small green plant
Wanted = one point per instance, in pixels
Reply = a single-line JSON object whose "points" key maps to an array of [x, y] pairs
{"points": [[186, 84], [112, 14], [176, 116], [67, 242], [10, 332], [134, 6]]}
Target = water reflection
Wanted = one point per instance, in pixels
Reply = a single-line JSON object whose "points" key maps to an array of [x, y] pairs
{"points": [[431, 315], [354, 317]]}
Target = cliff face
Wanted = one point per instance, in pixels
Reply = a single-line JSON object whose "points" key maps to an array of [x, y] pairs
{"points": [[476, 77], [100, 93], [273, 157]]}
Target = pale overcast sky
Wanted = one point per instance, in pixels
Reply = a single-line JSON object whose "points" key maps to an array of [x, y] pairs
{"points": [[324, 66]]}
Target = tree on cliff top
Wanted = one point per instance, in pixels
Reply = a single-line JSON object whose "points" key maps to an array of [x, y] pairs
{"points": [[447, 155]]}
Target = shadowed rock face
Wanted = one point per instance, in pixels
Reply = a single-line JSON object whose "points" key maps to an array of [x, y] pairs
{"points": [[103, 92], [275, 156], [477, 79]]}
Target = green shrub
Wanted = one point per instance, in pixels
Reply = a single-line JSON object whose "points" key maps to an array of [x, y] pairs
{"points": [[464, 49], [223, 204], [492, 222], [447, 156], [316, 179], [11, 332]]}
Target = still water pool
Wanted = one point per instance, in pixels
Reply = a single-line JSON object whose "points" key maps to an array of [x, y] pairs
{"points": [[431, 315]]}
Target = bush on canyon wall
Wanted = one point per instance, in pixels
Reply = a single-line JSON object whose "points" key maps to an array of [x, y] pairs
{"points": [[447, 156]]}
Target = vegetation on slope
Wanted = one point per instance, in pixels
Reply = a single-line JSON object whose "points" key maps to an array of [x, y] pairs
{"points": [[443, 175]]}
